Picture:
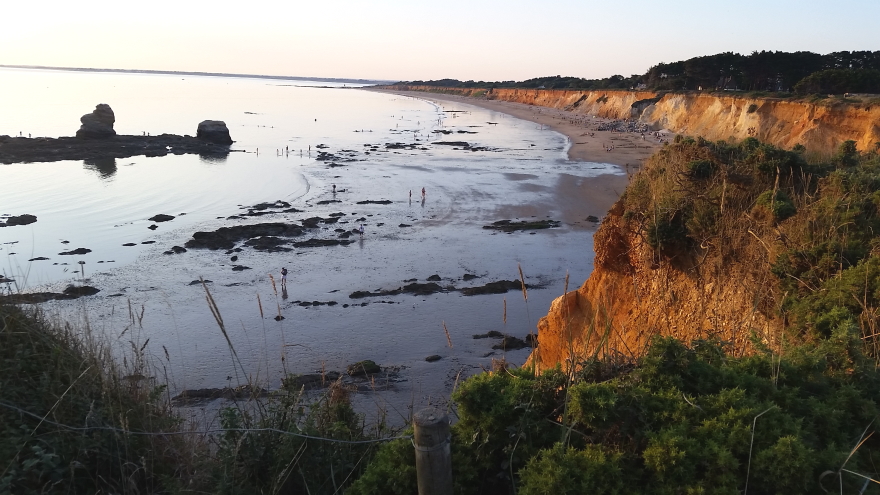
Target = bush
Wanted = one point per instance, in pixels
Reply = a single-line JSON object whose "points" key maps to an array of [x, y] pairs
{"points": [[778, 204]]}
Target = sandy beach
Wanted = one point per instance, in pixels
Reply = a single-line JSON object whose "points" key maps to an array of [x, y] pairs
{"points": [[630, 150], [588, 144]]}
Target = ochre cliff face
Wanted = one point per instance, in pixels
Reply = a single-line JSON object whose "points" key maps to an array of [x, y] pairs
{"points": [[819, 127], [632, 295]]}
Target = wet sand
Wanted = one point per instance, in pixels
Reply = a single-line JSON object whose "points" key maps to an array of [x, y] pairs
{"points": [[630, 150]]}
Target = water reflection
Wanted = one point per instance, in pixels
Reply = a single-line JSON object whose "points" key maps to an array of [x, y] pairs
{"points": [[214, 158], [105, 167]]}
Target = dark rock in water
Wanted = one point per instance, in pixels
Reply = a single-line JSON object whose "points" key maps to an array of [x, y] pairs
{"points": [[532, 339], [310, 381], [161, 218], [199, 282], [375, 202], [25, 219], [75, 252], [322, 243], [312, 223], [592, 218], [100, 154], [129, 244], [434, 278], [98, 124], [278, 318], [226, 237], [499, 287], [206, 394], [153, 227], [213, 131], [433, 358], [4, 280], [415, 289], [366, 367], [468, 276], [509, 343], [40, 258], [495, 334], [233, 259], [71, 292], [510, 226], [463, 144], [328, 201], [149, 242], [404, 225], [240, 268], [270, 244], [175, 250]]}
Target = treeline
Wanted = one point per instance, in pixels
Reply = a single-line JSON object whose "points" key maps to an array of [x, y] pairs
{"points": [[800, 72]]}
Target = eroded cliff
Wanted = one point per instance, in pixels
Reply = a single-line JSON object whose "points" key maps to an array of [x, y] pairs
{"points": [[819, 126], [716, 279]]}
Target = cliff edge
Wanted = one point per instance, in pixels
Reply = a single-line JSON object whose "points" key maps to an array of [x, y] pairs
{"points": [[820, 125]]}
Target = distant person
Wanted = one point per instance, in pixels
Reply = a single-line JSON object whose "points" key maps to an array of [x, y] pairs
{"points": [[334, 188], [361, 231], [284, 278], [423, 193]]}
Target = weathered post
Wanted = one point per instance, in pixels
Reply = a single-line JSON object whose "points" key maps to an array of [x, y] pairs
{"points": [[433, 457]]}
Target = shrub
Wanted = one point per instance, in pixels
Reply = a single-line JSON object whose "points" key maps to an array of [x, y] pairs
{"points": [[700, 169], [778, 204]]}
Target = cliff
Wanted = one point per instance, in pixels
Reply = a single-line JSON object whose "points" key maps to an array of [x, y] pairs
{"points": [[714, 277], [819, 126]]}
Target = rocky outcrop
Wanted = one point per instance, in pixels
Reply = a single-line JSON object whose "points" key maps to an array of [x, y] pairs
{"points": [[820, 126], [99, 153], [14, 220], [213, 131], [98, 124]]}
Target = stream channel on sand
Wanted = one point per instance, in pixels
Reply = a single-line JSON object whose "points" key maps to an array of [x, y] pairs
{"points": [[511, 169]]}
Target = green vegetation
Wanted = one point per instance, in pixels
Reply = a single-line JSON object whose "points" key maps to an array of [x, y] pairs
{"points": [[54, 378], [683, 420], [761, 72], [839, 81]]}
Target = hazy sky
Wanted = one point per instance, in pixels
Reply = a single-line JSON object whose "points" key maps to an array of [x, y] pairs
{"points": [[412, 39]]}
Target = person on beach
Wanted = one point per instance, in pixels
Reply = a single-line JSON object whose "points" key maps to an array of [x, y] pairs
{"points": [[334, 188], [423, 193], [283, 278], [361, 230]]}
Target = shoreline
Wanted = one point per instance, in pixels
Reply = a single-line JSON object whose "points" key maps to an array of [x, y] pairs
{"points": [[630, 151], [598, 193]]}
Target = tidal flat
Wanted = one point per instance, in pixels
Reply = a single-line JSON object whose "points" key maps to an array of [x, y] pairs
{"points": [[294, 144]]}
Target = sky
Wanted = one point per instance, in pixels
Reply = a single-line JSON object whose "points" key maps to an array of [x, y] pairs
{"points": [[419, 40]]}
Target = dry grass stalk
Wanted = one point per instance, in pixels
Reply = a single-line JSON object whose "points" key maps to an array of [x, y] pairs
{"points": [[448, 338]]}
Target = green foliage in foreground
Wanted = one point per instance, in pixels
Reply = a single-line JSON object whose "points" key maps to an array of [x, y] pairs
{"points": [[679, 422], [55, 375]]}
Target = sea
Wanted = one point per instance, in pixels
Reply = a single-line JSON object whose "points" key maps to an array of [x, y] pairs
{"points": [[294, 141]]}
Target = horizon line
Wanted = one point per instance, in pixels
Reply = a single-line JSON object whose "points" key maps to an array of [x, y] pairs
{"points": [[197, 73]]}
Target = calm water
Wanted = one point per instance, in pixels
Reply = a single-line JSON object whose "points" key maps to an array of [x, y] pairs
{"points": [[517, 176]]}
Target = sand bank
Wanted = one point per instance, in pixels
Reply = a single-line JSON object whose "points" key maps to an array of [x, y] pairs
{"points": [[630, 150]]}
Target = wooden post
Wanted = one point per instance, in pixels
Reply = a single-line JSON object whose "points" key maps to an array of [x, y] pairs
{"points": [[433, 457]]}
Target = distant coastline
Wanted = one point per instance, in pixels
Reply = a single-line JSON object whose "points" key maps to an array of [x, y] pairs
{"points": [[190, 73]]}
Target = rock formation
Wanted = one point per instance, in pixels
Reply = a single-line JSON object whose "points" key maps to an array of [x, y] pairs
{"points": [[98, 124], [214, 131]]}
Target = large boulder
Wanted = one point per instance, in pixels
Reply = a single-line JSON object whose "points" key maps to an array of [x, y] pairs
{"points": [[98, 124], [214, 131]]}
